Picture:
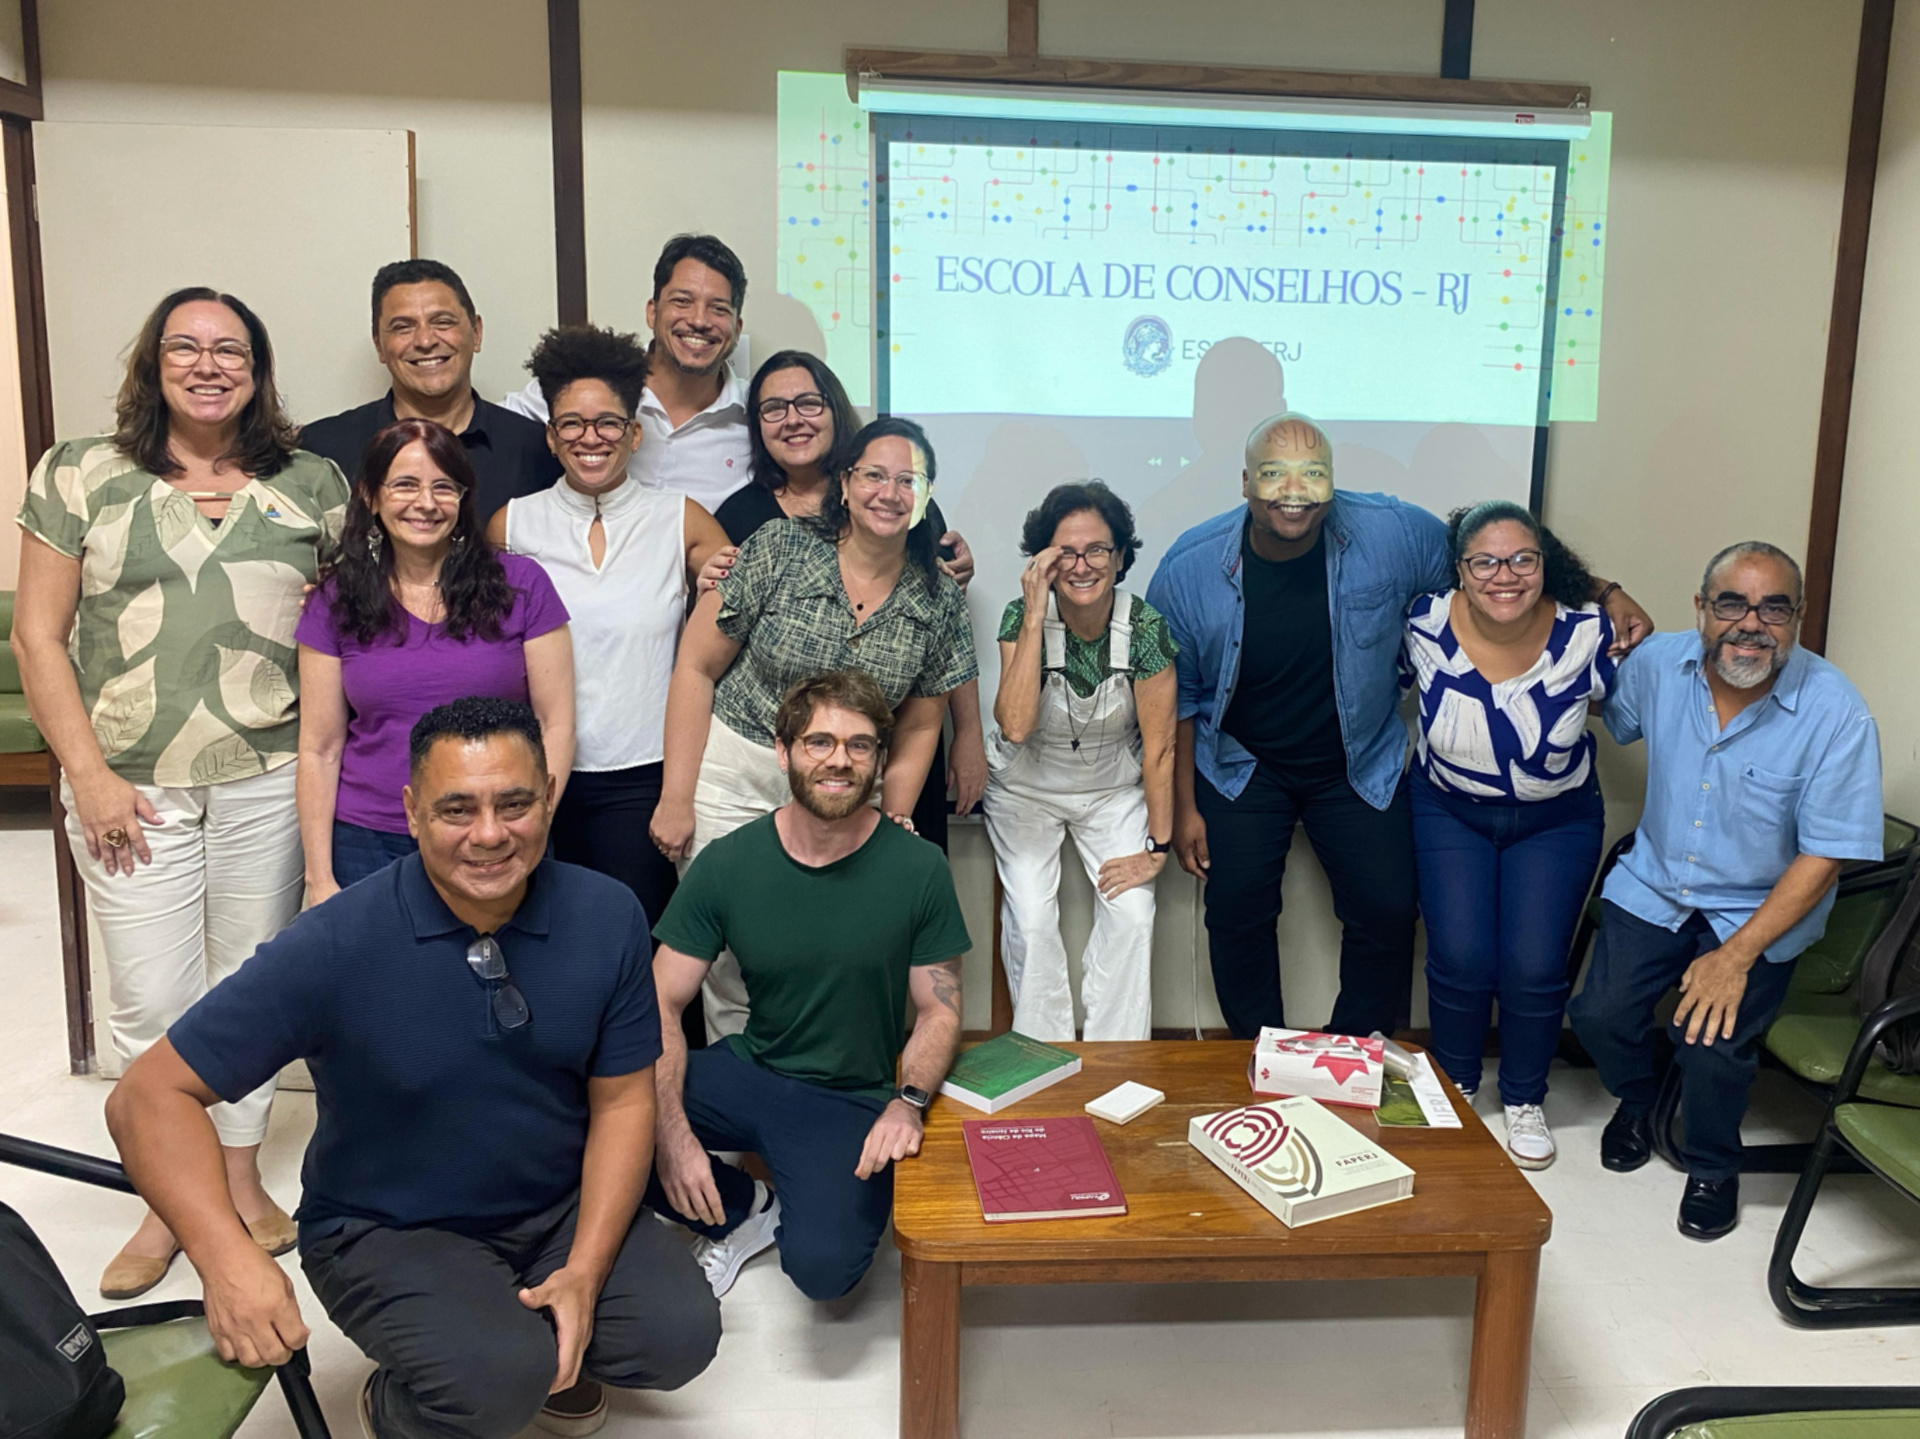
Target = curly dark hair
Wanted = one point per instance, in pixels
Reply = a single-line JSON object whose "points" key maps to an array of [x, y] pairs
{"points": [[766, 470], [478, 717], [473, 586], [1567, 578], [266, 437], [1069, 499], [833, 521], [588, 352]]}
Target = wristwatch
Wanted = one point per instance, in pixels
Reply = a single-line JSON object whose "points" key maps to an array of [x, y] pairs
{"points": [[917, 1099], [1154, 846]]}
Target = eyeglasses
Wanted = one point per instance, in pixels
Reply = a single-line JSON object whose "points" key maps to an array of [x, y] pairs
{"points": [[875, 478], [810, 406], [611, 428], [407, 490], [860, 747], [1098, 557], [1773, 610], [489, 964], [1521, 562], [183, 353]]}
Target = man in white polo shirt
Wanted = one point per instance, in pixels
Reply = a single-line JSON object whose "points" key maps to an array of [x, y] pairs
{"points": [[693, 411]]}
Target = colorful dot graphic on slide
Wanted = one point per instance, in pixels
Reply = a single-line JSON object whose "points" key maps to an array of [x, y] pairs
{"points": [[1228, 200]]}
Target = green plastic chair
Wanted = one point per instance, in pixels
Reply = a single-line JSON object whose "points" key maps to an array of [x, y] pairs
{"points": [[1780, 1413], [177, 1386], [1883, 1139]]}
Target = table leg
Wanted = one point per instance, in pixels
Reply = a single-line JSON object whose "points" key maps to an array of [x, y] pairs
{"points": [[1500, 1371], [930, 1349]]}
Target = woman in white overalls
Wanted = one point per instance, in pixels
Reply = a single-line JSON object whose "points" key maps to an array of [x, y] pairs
{"points": [[1083, 746]]}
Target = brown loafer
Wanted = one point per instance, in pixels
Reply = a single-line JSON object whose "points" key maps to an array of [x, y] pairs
{"points": [[274, 1232], [131, 1275]]}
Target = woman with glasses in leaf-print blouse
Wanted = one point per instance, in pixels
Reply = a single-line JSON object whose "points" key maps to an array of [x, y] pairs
{"points": [[174, 553]]}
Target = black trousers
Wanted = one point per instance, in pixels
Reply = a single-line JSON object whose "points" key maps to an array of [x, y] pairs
{"points": [[462, 1358], [1635, 962], [602, 824], [1368, 856]]}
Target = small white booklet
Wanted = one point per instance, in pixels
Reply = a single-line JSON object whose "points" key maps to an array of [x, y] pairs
{"points": [[1128, 1102], [1433, 1099]]}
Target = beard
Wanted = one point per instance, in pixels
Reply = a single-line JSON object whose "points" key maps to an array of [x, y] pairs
{"points": [[830, 806], [1744, 674]]}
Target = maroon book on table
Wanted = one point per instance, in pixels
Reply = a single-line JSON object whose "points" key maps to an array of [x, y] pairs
{"points": [[1041, 1169]]}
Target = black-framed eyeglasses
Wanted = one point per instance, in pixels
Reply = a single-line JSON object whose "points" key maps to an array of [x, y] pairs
{"points": [[1097, 557], [1521, 563], [809, 406], [489, 964], [1773, 610], [611, 428]]}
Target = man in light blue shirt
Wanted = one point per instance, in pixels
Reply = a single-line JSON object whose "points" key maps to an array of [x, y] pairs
{"points": [[1763, 776]]}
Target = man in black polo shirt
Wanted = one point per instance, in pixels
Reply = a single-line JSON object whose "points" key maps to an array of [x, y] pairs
{"points": [[481, 1028], [426, 333]]}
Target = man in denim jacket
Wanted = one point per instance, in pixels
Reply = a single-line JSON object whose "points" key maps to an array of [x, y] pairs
{"points": [[1288, 613]]}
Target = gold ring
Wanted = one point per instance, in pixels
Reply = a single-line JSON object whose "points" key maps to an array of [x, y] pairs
{"points": [[117, 839]]}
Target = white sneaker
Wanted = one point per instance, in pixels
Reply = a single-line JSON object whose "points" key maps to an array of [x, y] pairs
{"points": [[722, 1258], [1529, 1140]]}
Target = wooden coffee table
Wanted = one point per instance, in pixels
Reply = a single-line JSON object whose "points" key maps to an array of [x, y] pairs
{"points": [[1472, 1212]]}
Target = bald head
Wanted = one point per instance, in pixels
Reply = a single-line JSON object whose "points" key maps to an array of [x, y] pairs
{"points": [[1287, 436]]}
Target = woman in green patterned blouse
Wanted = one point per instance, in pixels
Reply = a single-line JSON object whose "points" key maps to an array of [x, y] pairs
{"points": [[162, 570], [859, 586]]}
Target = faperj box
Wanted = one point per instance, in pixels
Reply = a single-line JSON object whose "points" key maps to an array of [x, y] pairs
{"points": [[1332, 1068]]}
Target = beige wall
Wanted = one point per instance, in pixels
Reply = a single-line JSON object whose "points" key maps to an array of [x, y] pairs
{"points": [[469, 79], [1880, 508]]}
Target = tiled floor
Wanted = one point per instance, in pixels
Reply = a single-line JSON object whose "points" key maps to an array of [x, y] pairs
{"points": [[1628, 1309]]}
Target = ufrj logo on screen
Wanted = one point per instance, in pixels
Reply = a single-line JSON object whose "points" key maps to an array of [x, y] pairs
{"points": [[1147, 349]]}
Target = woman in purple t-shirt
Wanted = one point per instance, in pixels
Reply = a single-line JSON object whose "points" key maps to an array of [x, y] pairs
{"points": [[418, 610]]}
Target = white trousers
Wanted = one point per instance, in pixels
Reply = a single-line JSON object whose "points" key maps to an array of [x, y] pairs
{"points": [[1027, 826], [739, 781], [226, 876]]}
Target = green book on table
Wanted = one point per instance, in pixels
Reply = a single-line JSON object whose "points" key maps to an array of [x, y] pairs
{"points": [[1005, 1070]]}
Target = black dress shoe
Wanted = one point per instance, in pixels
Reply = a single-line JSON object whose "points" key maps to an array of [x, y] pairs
{"points": [[1627, 1141], [1710, 1207]]}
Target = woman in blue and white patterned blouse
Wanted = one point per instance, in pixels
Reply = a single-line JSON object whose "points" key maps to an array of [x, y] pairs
{"points": [[1507, 815]]}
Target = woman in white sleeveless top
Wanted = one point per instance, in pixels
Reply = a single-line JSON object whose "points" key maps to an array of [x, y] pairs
{"points": [[623, 556], [1083, 748]]}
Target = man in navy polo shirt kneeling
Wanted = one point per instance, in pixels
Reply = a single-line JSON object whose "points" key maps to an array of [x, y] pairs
{"points": [[481, 1027]]}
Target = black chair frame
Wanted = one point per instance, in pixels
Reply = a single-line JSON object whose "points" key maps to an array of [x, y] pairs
{"points": [[1802, 1303], [295, 1376], [1694, 1406], [1792, 1157]]}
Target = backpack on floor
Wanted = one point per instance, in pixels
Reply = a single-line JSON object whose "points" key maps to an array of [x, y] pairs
{"points": [[1892, 971], [54, 1379]]}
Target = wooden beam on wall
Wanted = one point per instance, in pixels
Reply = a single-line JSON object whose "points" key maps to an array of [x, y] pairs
{"points": [[23, 98], [1023, 27], [967, 67], [29, 288], [569, 161], [1843, 330]]}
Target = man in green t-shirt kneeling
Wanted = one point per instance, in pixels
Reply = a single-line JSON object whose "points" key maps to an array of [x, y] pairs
{"points": [[836, 917]]}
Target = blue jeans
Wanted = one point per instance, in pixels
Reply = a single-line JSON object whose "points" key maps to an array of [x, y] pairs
{"points": [[810, 1138], [359, 851], [1501, 885]]}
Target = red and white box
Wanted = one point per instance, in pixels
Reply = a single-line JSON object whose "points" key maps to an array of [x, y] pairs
{"points": [[1332, 1068]]}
